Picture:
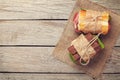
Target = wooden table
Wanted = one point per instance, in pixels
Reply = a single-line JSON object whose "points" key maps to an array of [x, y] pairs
{"points": [[29, 31]]}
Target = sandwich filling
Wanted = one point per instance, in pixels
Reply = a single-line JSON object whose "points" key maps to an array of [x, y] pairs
{"points": [[80, 53]]}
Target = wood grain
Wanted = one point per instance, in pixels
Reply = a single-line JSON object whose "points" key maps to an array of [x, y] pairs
{"points": [[112, 4], [18, 76], [30, 32], [22, 31], [35, 9], [40, 59], [44, 9], [43, 32], [45, 77]]}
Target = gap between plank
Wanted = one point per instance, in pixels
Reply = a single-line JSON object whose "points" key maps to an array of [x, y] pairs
{"points": [[47, 72], [35, 46], [32, 19], [116, 46], [27, 45]]}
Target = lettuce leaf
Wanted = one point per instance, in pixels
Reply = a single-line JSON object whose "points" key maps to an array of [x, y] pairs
{"points": [[101, 43], [82, 9], [71, 57]]}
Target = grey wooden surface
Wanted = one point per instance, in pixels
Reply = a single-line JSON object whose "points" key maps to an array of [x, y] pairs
{"points": [[29, 31]]}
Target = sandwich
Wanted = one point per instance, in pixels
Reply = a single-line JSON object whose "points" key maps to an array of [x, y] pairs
{"points": [[84, 48], [89, 21]]}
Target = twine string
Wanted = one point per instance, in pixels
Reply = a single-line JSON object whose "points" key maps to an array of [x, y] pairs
{"points": [[86, 49]]}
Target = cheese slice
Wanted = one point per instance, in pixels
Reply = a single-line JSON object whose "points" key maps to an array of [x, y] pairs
{"points": [[82, 14], [105, 27], [105, 16]]}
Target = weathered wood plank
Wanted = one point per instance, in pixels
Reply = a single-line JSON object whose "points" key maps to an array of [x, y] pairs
{"points": [[111, 4], [44, 77], [106, 1], [40, 59], [35, 9], [44, 9], [32, 32], [18, 76]]}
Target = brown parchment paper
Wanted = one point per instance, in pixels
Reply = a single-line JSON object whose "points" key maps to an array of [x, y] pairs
{"points": [[96, 65]]}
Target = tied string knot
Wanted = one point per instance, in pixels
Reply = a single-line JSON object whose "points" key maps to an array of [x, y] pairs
{"points": [[85, 50]]}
